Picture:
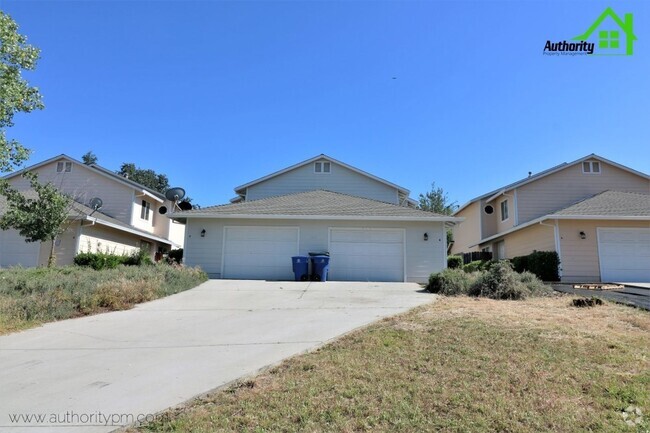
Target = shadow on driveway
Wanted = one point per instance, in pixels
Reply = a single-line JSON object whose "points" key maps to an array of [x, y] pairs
{"points": [[635, 296]]}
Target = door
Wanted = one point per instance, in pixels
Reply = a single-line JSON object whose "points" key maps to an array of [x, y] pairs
{"points": [[624, 254], [259, 253], [366, 254]]}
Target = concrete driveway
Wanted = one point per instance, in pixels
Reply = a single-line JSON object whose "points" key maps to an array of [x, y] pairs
{"points": [[96, 373]]}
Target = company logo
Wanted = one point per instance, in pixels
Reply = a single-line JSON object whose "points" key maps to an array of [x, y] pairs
{"points": [[609, 35]]}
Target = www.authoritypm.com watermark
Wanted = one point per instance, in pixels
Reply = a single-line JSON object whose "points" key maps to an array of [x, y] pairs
{"points": [[87, 419]]}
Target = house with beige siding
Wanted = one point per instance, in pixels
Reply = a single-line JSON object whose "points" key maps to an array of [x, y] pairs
{"points": [[368, 225], [129, 219], [594, 212]]}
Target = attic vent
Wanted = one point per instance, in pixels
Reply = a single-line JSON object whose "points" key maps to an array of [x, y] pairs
{"points": [[322, 167], [489, 209], [63, 166], [591, 167]]}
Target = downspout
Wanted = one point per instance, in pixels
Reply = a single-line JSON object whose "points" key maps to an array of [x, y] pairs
{"points": [[558, 247]]}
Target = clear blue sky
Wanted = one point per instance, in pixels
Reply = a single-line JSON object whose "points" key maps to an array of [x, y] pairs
{"points": [[216, 94]]}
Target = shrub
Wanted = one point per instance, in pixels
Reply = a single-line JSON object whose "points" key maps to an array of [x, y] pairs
{"points": [[500, 282], [137, 258], [476, 265], [98, 261], [534, 284], [454, 262], [449, 282], [544, 264], [176, 255]]}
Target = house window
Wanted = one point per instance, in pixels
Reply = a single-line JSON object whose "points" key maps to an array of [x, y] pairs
{"points": [[591, 167], [322, 167], [63, 166], [146, 210], [504, 210], [608, 39]]}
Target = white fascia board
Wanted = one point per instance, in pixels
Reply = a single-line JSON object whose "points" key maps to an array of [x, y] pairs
{"points": [[555, 169], [600, 217], [563, 217], [495, 196], [330, 159], [323, 217], [129, 230], [150, 195], [514, 229]]}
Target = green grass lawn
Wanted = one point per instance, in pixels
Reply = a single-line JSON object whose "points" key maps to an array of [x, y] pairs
{"points": [[457, 365], [30, 297]]}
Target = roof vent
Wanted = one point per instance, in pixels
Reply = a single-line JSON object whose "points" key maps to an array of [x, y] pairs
{"points": [[530, 173]]}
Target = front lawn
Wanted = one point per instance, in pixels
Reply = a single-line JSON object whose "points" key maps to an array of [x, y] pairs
{"points": [[458, 365], [29, 297]]}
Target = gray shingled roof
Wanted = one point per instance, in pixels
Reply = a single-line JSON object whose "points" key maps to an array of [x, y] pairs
{"points": [[611, 203], [313, 203]]}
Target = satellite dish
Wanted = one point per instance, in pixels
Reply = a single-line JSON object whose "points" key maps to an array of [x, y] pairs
{"points": [[162, 210], [96, 203], [185, 205], [175, 194]]}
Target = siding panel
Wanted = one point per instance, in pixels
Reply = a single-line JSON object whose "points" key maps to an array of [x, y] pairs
{"points": [[340, 179], [570, 185]]}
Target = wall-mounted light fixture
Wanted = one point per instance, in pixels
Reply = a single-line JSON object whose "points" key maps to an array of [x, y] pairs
{"points": [[203, 233], [583, 235], [426, 236]]}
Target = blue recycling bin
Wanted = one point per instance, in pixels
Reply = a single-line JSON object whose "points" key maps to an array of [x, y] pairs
{"points": [[320, 268], [300, 267]]}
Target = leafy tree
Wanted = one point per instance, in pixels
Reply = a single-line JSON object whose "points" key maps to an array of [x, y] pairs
{"points": [[436, 201], [16, 95], [146, 177], [89, 158], [36, 219]]}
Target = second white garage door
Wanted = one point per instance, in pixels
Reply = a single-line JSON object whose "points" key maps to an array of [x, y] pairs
{"points": [[624, 254], [259, 253], [366, 254]]}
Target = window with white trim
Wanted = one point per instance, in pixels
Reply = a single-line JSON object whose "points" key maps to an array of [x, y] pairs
{"points": [[63, 166], [504, 210], [146, 210], [322, 167], [591, 167]]}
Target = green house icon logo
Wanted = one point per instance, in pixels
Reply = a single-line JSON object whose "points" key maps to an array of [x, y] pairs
{"points": [[612, 34]]}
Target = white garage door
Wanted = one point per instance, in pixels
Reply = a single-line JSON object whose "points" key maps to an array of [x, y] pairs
{"points": [[366, 254], [14, 251], [259, 253], [624, 254]]}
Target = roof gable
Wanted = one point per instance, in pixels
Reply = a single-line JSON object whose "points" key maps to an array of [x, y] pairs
{"points": [[548, 172], [242, 188], [95, 169]]}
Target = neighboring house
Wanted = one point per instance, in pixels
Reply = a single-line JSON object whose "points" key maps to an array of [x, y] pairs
{"points": [[128, 220], [593, 212], [368, 225]]}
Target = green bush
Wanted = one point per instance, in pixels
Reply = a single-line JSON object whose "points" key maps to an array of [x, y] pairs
{"points": [[500, 282], [137, 258], [176, 255], [98, 261], [476, 265], [454, 262], [544, 264], [449, 282]]}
